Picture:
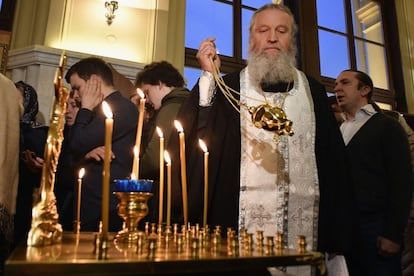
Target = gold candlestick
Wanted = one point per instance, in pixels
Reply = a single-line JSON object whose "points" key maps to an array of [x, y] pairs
{"points": [[183, 169], [206, 154], [161, 192], [106, 168], [78, 207]]}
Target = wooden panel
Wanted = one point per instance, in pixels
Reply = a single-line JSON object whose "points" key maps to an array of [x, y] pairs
{"points": [[4, 49]]}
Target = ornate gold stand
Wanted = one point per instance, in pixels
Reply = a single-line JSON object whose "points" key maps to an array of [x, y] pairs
{"points": [[132, 207], [45, 229]]}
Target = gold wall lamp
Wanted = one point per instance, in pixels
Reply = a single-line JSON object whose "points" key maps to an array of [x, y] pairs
{"points": [[111, 6]]}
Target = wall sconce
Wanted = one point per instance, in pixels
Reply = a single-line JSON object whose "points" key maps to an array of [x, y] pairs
{"points": [[111, 6]]}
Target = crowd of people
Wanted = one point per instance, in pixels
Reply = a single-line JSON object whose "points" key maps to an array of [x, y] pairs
{"points": [[340, 173]]}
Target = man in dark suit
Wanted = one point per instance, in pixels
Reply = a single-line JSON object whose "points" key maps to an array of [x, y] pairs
{"points": [[92, 77], [379, 155]]}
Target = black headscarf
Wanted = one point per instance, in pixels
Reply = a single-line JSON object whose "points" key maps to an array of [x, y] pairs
{"points": [[30, 103]]}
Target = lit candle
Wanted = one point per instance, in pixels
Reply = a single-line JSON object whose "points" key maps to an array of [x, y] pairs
{"points": [[161, 196], [168, 160], [135, 165], [106, 168], [204, 148], [78, 207], [183, 169], [139, 129]]}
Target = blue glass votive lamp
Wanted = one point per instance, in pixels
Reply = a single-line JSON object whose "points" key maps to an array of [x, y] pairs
{"points": [[133, 195], [133, 185]]}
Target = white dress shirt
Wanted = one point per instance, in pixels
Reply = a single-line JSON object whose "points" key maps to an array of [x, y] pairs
{"points": [[350, 127]]}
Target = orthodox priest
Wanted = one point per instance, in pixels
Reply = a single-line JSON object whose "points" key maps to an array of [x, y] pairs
{"points": [[276, 152]]}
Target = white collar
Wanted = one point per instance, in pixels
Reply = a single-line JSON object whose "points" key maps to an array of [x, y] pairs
{"points": [[367, 109]]}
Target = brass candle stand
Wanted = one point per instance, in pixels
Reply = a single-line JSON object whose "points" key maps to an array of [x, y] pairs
{"points": [[133, 198], [194, 242], [101, 244], [159, 242], [132, 208], [167, 250]]}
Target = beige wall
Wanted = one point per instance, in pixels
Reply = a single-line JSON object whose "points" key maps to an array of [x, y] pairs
{"points": [[142, 31], [29, 26], [84, 29], [406, 32]]}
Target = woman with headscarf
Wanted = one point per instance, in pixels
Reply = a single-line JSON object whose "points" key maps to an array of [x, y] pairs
{"points": [[66, 172], [33, 137]]}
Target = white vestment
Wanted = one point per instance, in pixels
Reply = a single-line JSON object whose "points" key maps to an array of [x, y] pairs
{"points": [[279, 190]]}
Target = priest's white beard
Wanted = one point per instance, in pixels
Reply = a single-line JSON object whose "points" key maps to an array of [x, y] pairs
{"points": [[269, 69]]}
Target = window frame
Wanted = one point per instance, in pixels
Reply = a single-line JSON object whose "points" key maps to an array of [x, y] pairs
{"points": [[309, 53], [228, 64]]}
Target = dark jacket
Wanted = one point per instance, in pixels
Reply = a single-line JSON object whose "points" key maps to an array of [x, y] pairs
{"points": [[149, 163], [381, 169], [87, 133], [164, 119]]}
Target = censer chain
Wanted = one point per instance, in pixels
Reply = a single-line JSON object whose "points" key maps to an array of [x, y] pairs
{"points": [[263, 116]]}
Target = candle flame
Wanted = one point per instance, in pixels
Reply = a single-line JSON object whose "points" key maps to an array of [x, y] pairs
{"points": [[140, 93], [133, 176], [178, 126], [107, 110], [202, 145], [81, 173], [136, 151], [159, 131], [167, 157]]}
